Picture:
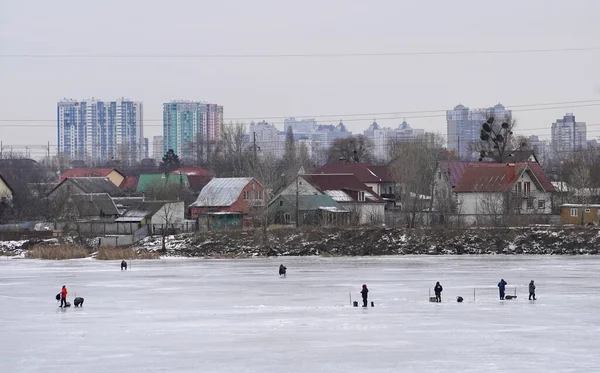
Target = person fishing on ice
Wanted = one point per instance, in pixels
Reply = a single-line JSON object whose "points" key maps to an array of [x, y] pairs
{"points": [[63, 296], [365, 295]]}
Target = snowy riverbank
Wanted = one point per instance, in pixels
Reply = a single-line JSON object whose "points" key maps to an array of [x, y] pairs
{"points": [[362, 242]]}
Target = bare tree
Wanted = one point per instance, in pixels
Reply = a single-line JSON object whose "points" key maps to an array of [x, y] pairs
{"points": [[267, 170], [351, 149], [497, 140], [414, 165]]}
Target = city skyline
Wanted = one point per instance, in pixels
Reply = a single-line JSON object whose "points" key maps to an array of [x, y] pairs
{"points": [[318, 133], [365, 64]]}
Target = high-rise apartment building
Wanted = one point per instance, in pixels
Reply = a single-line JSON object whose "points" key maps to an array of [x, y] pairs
{"points": [[384, 137], [94, 130], [568, 135], [158, 148], [191, 128], [464, 127]]}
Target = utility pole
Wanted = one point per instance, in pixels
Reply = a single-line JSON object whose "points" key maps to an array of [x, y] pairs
{"points": [[297, 200], [254, 147]]}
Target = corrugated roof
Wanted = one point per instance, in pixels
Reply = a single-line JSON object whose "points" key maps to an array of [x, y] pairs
{"points": [[454, 170], [129, 184], [146, 181], [192, 171], [347, 183], [89, 185], [221, 191], [311, 202], [87, 172], [94, 205], [338, 195], [143, 209], [364, 172], [499, 177]]}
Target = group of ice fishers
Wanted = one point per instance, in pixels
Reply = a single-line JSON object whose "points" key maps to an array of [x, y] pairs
{"points": [[437, 289]]}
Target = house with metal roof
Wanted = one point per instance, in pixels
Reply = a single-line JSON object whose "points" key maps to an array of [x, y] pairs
{"points": [[112, 174], [231, 194], [316, 209], [495, 189], [94, 205], [149, 181], [86, 185], [364, 205]]}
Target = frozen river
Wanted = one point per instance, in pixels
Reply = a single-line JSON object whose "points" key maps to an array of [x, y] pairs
{"points": [[239, 316]]}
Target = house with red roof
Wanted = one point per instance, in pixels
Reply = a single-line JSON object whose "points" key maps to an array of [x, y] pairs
{"points": [[495, 189], [376, 177], [112, 174], [346, 189], [198, 177]]}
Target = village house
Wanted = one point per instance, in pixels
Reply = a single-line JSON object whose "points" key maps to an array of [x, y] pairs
{"points": [[376, 177], [234, 194], [85, 185], [112, 174], [364, 205], [487, 191], [197, 177], [317, 209]]}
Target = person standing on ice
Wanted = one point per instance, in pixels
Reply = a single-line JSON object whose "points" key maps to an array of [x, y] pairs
{"points": [[123, 265], [365, 294], [438, 292], [63, 296], [502, 288], [282, 270], [531, 290]]}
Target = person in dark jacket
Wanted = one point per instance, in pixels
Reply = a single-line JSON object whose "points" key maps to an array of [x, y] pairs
{"points": [[123, 265], [282, 270], [531, 290], [365, 295], [502, 288], [438, 292], [63, 297]]}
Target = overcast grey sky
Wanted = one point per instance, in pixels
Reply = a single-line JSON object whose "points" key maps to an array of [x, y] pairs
{"points": [[278, 87]]}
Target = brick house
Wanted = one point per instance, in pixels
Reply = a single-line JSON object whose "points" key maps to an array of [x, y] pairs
{"points": [[234, 194]]}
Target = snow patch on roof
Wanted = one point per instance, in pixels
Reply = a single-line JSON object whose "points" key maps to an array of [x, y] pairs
{"points": [[221, 191], [338, 196]]}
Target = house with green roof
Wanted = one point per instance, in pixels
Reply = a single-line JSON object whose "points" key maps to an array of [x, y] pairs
{"points": [[148, 181]]}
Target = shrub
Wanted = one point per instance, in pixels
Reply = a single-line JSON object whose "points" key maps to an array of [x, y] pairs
{"points": [[57, 252], [120, 253]]}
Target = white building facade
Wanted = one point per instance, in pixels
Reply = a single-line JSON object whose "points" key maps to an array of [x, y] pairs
{"points": [[94, 130], [568, 135]]}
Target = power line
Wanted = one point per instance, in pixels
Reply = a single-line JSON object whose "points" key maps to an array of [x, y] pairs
{"points": [[381, 115], [302, 55]]}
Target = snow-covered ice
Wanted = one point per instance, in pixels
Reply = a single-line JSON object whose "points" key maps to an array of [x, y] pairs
{"points": [[193, 315]]}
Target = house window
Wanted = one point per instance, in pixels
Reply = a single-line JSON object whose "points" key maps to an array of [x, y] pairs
{"points": [[287, 218], [573, 212], [542, 204], [246, 195], [280, 203], [361, 196], [529, 203], [587, 211], [259, 194], [518, 188], [526, 188]]}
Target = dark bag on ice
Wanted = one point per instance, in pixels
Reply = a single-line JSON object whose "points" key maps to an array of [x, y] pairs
{"points": [[58, 296]]}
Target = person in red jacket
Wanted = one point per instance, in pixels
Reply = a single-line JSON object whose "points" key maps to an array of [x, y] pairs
{"points": [[63, 296]]}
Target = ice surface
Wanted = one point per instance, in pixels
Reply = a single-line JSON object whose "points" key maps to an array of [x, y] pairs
{"points": [[239, 316]]}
